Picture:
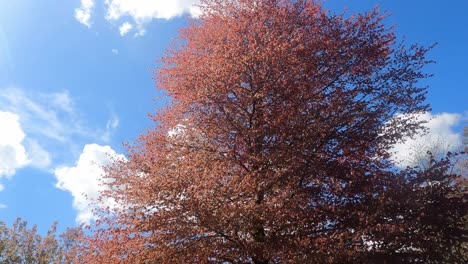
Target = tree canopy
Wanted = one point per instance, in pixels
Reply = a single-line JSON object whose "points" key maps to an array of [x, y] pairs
{"points": [[20, 244], [275, 148]]}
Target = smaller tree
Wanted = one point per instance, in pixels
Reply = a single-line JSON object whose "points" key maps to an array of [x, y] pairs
{"points": [[465, 137], [422, 216], [421, 152], [20, 244]]}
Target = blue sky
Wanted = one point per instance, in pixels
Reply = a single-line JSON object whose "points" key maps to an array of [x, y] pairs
{"points": [[76, 82]]}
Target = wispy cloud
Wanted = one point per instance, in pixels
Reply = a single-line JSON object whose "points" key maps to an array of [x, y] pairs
{"points": [[50, 115], [38, 157], [83, 180], [111, 125]]}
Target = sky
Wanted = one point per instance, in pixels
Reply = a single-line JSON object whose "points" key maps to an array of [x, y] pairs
{"points": [[76, 82]]}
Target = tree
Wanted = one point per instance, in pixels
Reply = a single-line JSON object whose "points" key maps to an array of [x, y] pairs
{"points": [[275, 148], [465, 137], [422, 153], [19, 244]]}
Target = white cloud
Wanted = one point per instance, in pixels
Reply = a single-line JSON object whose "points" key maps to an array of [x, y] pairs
{"points": [[37, 156], [62, 101], [125, 28], [83, 180], [178, 130], [113, 122], [83, 13], [12, 152], [50, 115], [141, 11], [111, 125], [115, 51], [3, 206], [30, 121], [16, 149], [441, 137], [51, 121]]}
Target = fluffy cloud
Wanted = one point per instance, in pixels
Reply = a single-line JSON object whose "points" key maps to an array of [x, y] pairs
{"points": [[141, 11], [12, 152], [16, 150], [439, 139], [83, 13], [83, 180], [125, 28]]}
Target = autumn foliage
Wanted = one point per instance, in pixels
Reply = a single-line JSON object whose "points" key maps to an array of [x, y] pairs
{"points": [[275, 148]]}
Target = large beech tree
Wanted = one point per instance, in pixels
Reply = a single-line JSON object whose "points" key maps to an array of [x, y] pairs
{"points": [[275, 148]]}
